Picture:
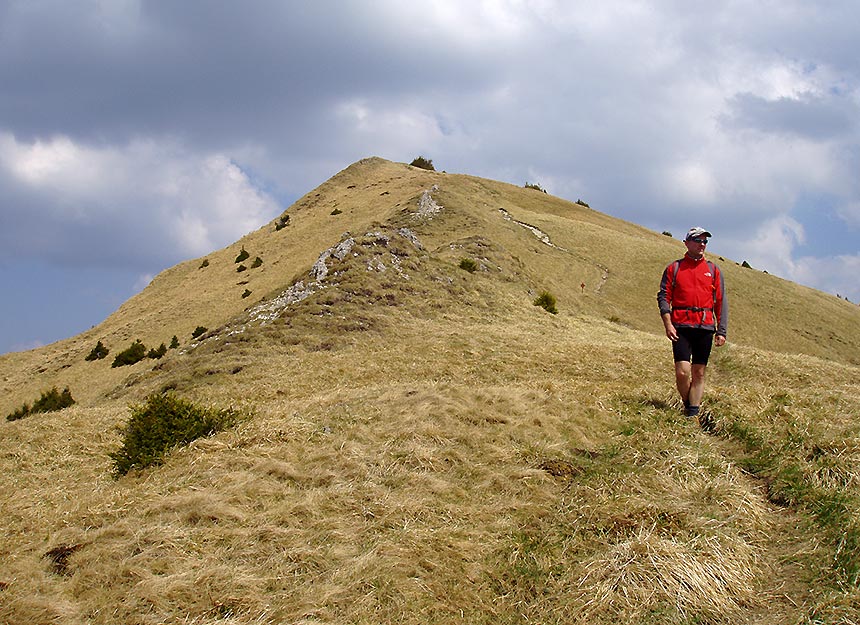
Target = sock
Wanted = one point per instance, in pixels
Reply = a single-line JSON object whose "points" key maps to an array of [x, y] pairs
{"points": [[692, 411]]}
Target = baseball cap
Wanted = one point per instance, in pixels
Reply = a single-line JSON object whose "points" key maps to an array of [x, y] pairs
{"points": [[696, 231]]}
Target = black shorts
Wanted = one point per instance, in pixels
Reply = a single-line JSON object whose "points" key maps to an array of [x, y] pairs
{"points": [[693, 344]]}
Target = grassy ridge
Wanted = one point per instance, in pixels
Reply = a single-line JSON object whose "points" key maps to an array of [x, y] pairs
{"points": [[618, 262], [424, 445]]}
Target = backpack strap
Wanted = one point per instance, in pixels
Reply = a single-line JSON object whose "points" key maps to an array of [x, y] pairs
{"points": [[675, 266]]}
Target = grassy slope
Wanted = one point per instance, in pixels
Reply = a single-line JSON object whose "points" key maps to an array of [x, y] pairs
{"points": [[427, 446]]}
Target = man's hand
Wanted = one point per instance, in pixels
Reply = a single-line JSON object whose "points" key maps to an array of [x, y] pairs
{"points": [[671, 332], [719, 340]]}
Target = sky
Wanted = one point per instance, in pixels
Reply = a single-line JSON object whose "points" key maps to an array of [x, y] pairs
{"points": [[136, 134]]}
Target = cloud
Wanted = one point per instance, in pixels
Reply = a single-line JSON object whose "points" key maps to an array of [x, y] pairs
{"points": [[773, 248], [808, 116], [849, 212], [836, 274], [773, 243], [147, 201]]}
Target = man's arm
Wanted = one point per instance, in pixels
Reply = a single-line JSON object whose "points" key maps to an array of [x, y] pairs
{"points": [[664, 297], [721, 310]]}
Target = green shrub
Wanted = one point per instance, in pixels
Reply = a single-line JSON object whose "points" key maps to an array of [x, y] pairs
{"points": [[161, 424], [157, 353], [22, 412], [49, 401], [469, 265], [199, 331], [546, 300], [174, 342], [257, 262], [336, 211], [246, 293], [242, 255], [583, 203], [282, 222], [241, 268], [534, 186], [129, 356], [666, 233], [205, 263], [99, 352], [423, 163], [746, 264]]}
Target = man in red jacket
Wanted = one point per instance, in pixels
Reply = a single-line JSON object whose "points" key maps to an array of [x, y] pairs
{"points": [[695, 312]]}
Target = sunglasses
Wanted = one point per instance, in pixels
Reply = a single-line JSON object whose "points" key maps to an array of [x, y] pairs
{"points": [[702, 241]]}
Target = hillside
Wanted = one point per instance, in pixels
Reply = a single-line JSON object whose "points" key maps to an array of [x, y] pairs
{"points": [[420, 443]]}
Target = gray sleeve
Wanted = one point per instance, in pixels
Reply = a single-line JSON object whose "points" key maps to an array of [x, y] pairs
{"points": [[663, 296], [723, 325]]}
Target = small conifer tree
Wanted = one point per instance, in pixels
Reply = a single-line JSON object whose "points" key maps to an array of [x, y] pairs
{"points": [[157, 353], [98, 352], [49, 401], [423, 163], [131, 355]]}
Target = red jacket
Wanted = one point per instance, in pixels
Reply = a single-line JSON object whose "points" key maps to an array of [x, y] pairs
{"points": [[694, 292]]}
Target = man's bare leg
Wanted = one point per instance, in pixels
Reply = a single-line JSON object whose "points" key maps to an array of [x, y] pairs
{"points": [[683, 380], [697, 385]]}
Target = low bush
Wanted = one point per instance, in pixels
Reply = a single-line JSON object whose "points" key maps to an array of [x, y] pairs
{"points": [[467, 264], [49, 401], [132, 354], [666, 233], [423, 163], [257, 262], [534, 186], [336, 211], [199, 331], [583, 203], [283, 222], [242, 255], [174, 342], [241, 268], [546, 300], [247, 293], [161, 424], [157, 353], [99, 352], [205, 263]]}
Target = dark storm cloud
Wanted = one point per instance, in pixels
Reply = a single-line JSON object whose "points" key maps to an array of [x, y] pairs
{"points": [[810, 117], [212, 73]]}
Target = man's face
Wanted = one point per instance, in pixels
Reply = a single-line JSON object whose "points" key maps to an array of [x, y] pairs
{"points": [[696, 246]]}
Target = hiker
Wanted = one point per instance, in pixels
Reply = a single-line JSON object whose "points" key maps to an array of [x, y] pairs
{"points": [[694, 308]]}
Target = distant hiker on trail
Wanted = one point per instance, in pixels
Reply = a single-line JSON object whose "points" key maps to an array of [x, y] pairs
{"points": [[694, 309]]}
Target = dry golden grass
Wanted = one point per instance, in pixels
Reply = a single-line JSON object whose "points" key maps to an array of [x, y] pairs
{"points": [[423, 445]]}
